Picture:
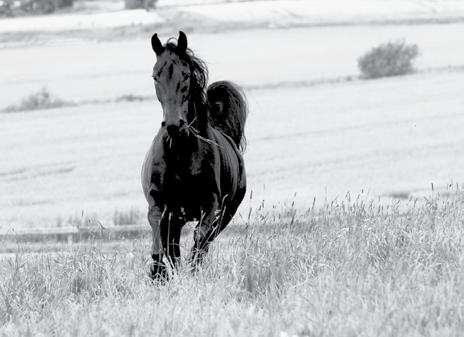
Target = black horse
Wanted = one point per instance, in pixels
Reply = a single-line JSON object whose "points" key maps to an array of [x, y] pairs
{"points": [[194, 169]]}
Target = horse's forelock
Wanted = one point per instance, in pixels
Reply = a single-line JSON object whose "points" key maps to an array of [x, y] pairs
{"points": [[198, 79], [188, 56]]}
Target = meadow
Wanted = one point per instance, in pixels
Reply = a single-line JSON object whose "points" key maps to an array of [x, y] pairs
{"points": [[349, 267], [353, 220]]}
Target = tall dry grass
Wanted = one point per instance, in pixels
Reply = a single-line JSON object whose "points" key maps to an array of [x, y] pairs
{"points": [[345, 268]]}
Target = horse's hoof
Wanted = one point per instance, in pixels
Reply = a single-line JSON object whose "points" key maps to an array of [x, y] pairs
{"points": [[159, 277], [195, 263], [159, 273]]}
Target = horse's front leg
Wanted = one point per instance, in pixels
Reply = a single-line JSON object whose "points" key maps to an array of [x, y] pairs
{"points": [[171, 228], [158, 268], [205, 232]]}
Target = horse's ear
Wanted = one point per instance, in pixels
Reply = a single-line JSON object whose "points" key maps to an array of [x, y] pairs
{"points": [[156, 44], [182, 42]]}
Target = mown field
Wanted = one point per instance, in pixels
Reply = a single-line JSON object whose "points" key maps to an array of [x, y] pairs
{"points": [[315, 129], [351, 267], [387, 137]]}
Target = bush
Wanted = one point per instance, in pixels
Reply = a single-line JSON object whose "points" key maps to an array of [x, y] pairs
{"points": [[136, 4], [390, 59], [42, 99]]}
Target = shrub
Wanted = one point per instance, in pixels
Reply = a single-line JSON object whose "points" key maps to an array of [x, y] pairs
{"points": [[389, 59], [38, 101], [136, 4]]}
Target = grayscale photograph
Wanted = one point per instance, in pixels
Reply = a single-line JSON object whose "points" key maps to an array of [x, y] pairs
{"points": [[190, 168]]}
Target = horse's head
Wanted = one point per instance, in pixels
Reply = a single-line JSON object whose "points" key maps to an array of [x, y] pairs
{"points": [[175, 76]]}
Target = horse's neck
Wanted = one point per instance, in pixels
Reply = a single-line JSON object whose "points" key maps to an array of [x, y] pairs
{"points": [[199, 113], [195, 146]]}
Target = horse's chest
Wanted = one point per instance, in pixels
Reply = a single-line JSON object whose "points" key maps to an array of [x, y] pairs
{"points": [[176, 188], [169, 180]]}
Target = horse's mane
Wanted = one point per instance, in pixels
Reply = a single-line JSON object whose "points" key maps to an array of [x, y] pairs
{"points": [[198, 81], [222, 105]]}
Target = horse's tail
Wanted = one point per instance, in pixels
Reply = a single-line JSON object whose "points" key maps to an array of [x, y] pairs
{"points": [[228, 110]]}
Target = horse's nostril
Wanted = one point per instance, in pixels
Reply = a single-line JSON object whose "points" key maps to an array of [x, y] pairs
{"points": [[163, 123], [181, 123]]}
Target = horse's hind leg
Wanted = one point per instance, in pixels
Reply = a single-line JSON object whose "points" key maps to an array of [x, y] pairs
{"points": [[206, 231], [170, 236], [212, 225], [158, 268]]}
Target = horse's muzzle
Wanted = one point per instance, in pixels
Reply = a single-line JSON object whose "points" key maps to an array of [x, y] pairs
{"points": [[173, 129]]}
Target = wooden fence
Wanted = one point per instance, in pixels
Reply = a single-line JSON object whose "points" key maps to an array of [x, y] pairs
{"points": [[73, 234]]}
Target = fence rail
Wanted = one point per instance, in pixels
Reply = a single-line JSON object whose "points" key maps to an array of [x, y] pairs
{"points": [[73, 234]]}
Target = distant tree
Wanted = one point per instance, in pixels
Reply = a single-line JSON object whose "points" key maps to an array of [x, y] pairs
{"points": [[34, 7]]}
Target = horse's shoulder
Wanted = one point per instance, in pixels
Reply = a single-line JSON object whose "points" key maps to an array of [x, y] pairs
{"points": [[154, 157]]}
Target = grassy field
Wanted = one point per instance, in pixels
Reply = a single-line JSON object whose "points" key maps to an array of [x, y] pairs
{"points": [[351, 267], [303, 257]]}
